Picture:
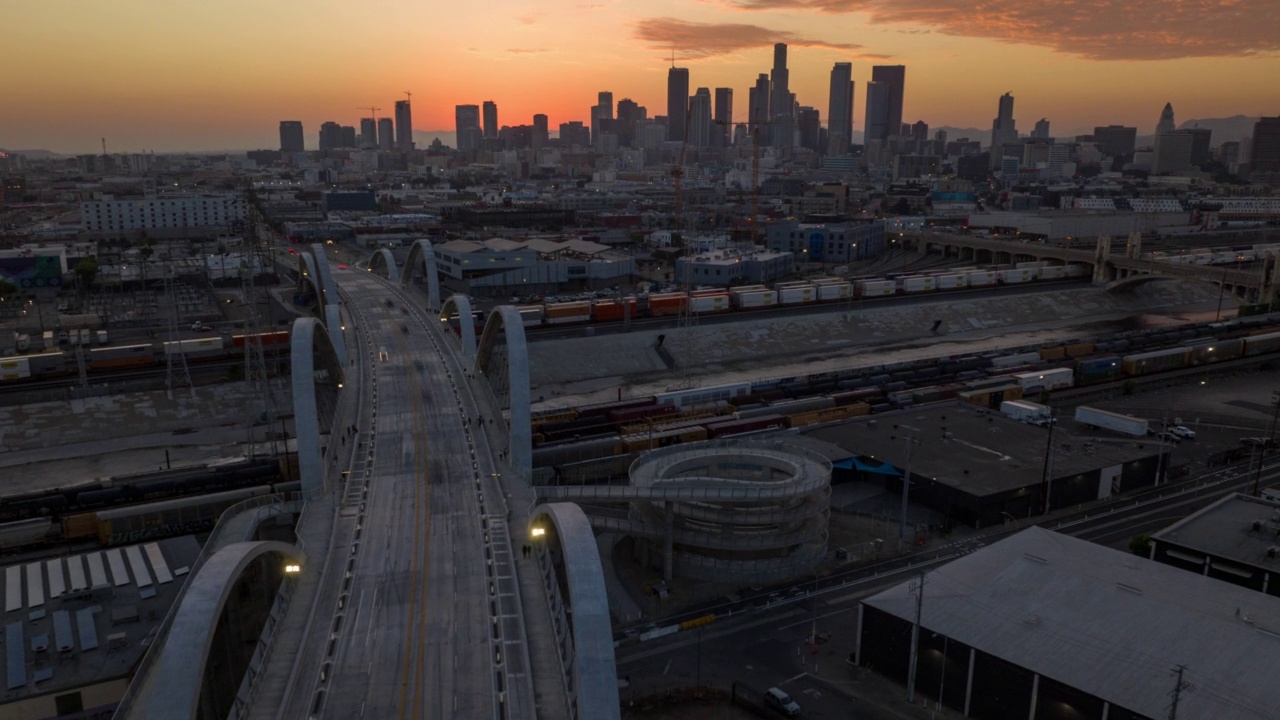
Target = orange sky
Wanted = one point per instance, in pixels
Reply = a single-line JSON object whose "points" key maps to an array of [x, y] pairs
{"points": [[191, 75]]}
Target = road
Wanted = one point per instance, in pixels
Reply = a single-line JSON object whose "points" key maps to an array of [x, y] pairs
{"points": [[416, 639], [762, 640]]}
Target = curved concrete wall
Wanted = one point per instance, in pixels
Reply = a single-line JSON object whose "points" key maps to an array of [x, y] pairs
{"points": [[461, 305], [423, 255], [383, 260], [505, 321], [308, 339]]}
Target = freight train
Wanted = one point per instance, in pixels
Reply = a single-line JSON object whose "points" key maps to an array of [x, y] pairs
{"points": [[567, 435], [121, 357], [788, 294], [133, 508]]}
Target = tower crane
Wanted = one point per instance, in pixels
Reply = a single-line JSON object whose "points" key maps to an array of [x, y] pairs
{"points": [[755, 172], [408, 96], [373, 112]]}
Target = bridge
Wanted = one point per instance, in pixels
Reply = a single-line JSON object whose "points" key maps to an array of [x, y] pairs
{"points": [[1116, 270], [404, 593]]}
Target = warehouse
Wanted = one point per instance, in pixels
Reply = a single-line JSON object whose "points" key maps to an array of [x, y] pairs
{"points": [[979, 468], [1235, 540], [1047, 626]]}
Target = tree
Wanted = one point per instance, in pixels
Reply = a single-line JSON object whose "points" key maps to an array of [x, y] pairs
{"points": [[86, 272], [1140, 545]]}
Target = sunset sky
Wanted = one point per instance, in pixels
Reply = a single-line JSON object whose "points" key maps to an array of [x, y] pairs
{"points": [[198, 75]]}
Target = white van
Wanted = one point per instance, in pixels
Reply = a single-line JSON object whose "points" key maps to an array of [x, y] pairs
{"points": [[782, 702]]}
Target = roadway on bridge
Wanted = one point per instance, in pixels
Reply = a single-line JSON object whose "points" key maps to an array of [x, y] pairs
{"points": [[416, 641]]}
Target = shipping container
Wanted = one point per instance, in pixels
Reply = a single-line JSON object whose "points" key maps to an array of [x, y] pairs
{"points": [[736, 427], [797, 295], [197, 347], [953, 281], [709, 303], [1027, 412], [832, 414], [667, 304], [566, 313], [1053, 353], [1077, 271], [755, 299], [1156, 361], [1105, 419], [640, 442], [268, 340], [1014, 276], [630, 415], [49, 342], [1261, 344], [102, 337], [15, 368], [875, 288], [122, 356], [1052, 272], [1079, 349], [919, 283], [832, 291], [978, 278], [1053, 379], [614, 309], [1015, 360], [1216, 351], [1099, 369]]}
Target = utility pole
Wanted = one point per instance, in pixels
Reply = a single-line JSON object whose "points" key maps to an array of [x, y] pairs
{"points": [[906, 484], [918, 587], [1271, 437], [1047, 482], [1178, 687]]}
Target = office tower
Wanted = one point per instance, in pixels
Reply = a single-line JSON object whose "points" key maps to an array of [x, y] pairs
{"points": [[1172, 152], [920, 131], [330, 136], [781, 104], [1041, 131], [1165, 125], [291, 136], [1003, 129], [601, 116], [894, 77], [604, 101], [840, 110], [490, 119], [629, 113], [540, 131], [700, 118], [404, 126], [677, 103], [1264, 153], [809, 123], [575, 133], [722, 132], [877, 120], [467, 125], [1115, 140], [1200, 138], [758, 104], [386, 134], [368, 133], [348, 137]]}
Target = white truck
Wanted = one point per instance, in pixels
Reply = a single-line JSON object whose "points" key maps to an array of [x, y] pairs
{"points": [[1107, 420], [1027, 412]]}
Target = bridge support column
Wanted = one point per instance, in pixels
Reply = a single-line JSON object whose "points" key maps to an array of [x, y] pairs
{"points": [[668, 544], [1101, 259], [1133, 249]]}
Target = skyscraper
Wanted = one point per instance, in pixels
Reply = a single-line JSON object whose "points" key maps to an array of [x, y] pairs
{"points": [[1041, 131], [781, 104], [348, 137], [1166, 124], [490, 119], [467, 125], [368, 133], [723, 130], [877, 121], [386, 134], [677, 103], [809, 123], [1114, 140], [291, 136], [404, 126], [758, 104], [330, 136], [894, 77], [700, 118], [1200, 138], [540, 131], [1264, 155], [625, 127], [1003, 129], [840, 110]]}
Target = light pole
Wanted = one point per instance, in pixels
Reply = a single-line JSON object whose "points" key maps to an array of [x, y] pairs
{"points": [[906, 484], [1271, 437]]}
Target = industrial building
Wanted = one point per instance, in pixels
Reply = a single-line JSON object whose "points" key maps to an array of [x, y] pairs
{"points": [[499, 267], [722, 268], [160, 216], [1047, 626], [837, 242], [1235, 540], [1059, 224], [979, 468]]}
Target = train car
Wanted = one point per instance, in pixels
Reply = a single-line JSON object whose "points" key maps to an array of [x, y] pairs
{"points": [[530, 315], [833, 289], [642, 441], [1053, 379], [603, 409], [831, 414], [744, 299], [797, 295], [15, 368], [666, 304], [614, 309], [701, 397], [875, 288], [543, 417], [630, 415], [1051, 272], [1006, 362], [1261, 344], [122, 356], [753, 424], [180, 516], [24, 533], [1156, 361], [1099, 369], [567, 313], [916, 284], [1016, 276], [1078, 349], [789, 407], [196, 348], [570, 451], [275, 340], [477, 323], [980, 278], [952, 281], [1057, 352], [711, 303], [1210, 351]]}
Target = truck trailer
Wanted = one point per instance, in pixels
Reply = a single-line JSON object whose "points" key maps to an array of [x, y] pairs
{"points": [[1115, 422]]}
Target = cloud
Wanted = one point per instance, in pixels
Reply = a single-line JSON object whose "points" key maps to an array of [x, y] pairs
{"points": [[702, 40], [1093, 29], [526, 51]]}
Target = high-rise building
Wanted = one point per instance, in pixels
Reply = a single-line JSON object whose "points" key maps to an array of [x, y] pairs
{"points": [[540, 131], [575, 133], [1166, 124], [490, 119], [348, 138], [781, 103], [291, 136], [920, 131], [722, 133], [330, 135], [1200, 138], [677, 103], [629, 113], [1003, 129], [368, 133], [876, 123], [809, 123], [1264, 153], [1172, 152], [386, 134], [700, 118], [758, 104], [893, 78], [840, 110], [1041, 131], [404, 126], [1115, 140], [467, 125]]}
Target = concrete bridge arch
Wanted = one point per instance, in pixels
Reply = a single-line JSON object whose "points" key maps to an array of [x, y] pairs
{"points": [[421, 265], [502, 359], [317, 380], [384, 263], [460, 305]]}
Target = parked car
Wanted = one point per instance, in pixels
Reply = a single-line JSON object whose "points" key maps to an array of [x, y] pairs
{"points": [[782, 702], [1183, 432]]}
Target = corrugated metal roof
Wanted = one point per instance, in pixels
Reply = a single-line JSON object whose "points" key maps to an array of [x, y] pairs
{"points": [[1108, 623], [543, 245], [502, 244], [586, 247]]}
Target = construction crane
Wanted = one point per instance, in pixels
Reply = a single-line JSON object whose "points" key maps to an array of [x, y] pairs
{"points": [[373, 112], [408, 96], [755, 172]]}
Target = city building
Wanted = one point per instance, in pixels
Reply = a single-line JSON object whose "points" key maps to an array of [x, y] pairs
{"points": [[541, 131], [700, 119], [499, 267], [1046, 625], [467, 126], [368, 133], [330, 136], [876, 126], [1041, 130], [891, 88], [722, 268], [1172, 152], [1264, 154], [1115, 140], [404, 126], [677, 103], [1234, 540], [348, 137], [840, 110], [386, 134], [575, 133], [758, 105], [160, 215], [722, 133], [1003, 128], [836, 242], [781, 103], [490, 119], [1200, 139], [1166, 124], [808, 123], [291, 138]]}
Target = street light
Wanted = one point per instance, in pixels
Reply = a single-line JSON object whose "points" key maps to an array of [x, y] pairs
{"points": [[906, 483]]}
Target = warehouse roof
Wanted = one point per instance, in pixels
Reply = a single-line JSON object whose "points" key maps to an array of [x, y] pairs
{"points": [[1225, 529], [1109, 623], [975, 450]]}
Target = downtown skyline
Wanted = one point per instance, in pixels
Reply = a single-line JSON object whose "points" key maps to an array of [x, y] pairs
{"points": [[149, 76]]}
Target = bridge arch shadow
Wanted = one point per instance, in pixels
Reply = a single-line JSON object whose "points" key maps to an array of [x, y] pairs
{"points": [[502, 359], [1133, 281], [317, 380], [570, 569], [420, 265], [384, 263]]}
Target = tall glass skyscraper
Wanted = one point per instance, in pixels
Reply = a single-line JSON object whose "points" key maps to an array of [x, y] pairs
{"points": [[677, 103], [840, 110]]}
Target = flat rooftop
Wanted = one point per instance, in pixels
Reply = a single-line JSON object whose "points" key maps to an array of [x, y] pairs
{"points": [[1107, 622], [77, 620], [999, 454], [1225, 530]]}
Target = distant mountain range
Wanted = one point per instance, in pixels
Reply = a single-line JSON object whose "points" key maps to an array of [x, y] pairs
{"points": [[1236, 127], [36, 154]]}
